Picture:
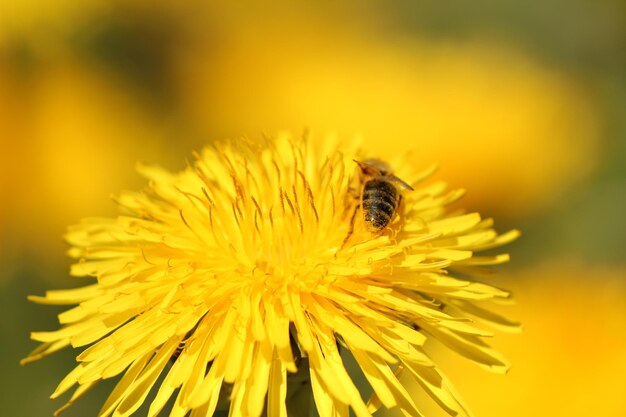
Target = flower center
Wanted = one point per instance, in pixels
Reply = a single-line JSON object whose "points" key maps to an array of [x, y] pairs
{"points": [[275, 217]]}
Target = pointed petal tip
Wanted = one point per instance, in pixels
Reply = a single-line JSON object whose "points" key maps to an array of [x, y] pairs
{"points": [[501, 369], [515, 328], [27, 360], [38, 299]]}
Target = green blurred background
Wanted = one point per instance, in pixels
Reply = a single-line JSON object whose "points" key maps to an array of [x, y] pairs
{"points": [[521, 103]]}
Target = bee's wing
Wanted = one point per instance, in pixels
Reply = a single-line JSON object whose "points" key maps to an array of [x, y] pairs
{"points": [[399, 181]]}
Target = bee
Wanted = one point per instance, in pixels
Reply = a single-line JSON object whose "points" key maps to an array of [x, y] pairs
{"points": [[380, 194]]}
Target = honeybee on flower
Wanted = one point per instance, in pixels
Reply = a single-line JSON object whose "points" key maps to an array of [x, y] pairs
{"points": [[233, 277]]}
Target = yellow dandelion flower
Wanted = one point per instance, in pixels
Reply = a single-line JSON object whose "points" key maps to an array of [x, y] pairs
{"points": [[256, 263]]}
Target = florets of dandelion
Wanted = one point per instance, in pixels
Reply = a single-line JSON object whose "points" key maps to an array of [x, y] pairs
{"points": [[225, 276]]}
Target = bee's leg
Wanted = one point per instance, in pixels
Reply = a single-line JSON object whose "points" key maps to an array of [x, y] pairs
{"points": [[351, 230], [352, 195], [393, 231]]}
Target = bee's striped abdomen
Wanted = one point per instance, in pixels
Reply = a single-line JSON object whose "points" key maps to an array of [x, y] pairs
{"points": [[380, 201]]}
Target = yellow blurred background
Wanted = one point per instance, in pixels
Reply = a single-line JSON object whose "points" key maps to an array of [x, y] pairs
{"points": [[521, 103]]}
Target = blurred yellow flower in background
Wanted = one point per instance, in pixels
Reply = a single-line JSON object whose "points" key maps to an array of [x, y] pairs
{"points": [[474, 107], [61, 151], [249, 262]]}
